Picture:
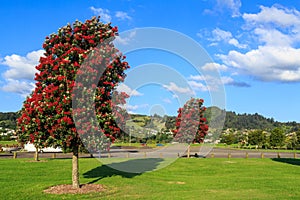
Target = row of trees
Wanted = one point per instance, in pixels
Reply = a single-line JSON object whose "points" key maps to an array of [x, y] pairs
{"points": [[276, 138]]}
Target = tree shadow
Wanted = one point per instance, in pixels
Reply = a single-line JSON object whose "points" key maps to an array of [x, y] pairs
{"points": [[292, 161], [126, 169]]}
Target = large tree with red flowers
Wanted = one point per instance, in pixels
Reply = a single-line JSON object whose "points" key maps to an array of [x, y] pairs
{"points": [[80, 62], [190, 124]]}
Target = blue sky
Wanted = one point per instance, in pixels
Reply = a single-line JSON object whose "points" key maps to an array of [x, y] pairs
{"points": [[254, 45]]}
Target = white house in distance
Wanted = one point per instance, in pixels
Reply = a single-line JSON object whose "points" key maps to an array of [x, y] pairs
{"points": [[29, 147]]}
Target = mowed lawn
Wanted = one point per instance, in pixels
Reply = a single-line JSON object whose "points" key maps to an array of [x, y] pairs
{"points": [[184, 179]]}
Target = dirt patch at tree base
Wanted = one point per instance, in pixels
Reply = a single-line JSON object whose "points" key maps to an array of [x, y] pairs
{"points": [[68, 189]]}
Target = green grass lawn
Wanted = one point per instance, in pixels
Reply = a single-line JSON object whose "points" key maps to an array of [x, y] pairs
{"points": [[11, 142], [183, 179], [137, 145]]}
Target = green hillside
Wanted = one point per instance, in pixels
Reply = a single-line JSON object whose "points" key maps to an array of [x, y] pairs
{"points": [[233, 120], [8, 119]]}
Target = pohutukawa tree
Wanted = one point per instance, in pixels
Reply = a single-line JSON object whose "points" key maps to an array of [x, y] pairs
{"points": [[33, 128], [82, 50], [190, 123]]}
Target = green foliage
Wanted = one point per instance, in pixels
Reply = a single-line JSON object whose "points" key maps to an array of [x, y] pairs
{"points": [[229, 139], [247, 121], [8, 119], [257, 137], [170, 122], [292, 141], [277, 138]]}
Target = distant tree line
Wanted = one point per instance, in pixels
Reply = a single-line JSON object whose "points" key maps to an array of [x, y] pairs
{"points": [[255, 121], [233, 120], [276, 138], [244, 121]]}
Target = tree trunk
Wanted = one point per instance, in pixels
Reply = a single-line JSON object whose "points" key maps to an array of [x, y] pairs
{"points": [[75, 170], [36, 155]]}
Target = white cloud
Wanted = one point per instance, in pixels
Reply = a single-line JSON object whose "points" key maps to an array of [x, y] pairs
{"points": [[197, 78], [18, 78], [205, 82], [214, 67], [274, 25], [213, 83], [236, 43], [273, 37], [198, 86], [22, 67], [177, 89], [219, 35], [131, 92], [24, 88], [226, 80], [233, 6], [267, 63], [277, 56], [267, 37], [125, 40], [103, 13], [276, 15], [131, 108], [122, 15]]}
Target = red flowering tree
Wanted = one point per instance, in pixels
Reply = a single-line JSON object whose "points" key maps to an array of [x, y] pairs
{"points": [[33, 129], [83, 50], [190, 123]]}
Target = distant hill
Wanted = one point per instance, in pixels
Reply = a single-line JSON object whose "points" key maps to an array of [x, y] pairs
{"points": [[8, 119], [232, 120], [251, 121]]}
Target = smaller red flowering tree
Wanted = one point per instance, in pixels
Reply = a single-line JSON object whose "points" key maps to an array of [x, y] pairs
{"points": [[190, 124], [33, 129]]}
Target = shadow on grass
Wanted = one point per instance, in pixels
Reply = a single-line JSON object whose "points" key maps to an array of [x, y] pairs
{"points": [[128, 169], [291, 161]]}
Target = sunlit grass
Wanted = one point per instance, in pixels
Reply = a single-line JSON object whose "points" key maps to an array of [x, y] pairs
{"points": [[11, 142], [183, 179]]}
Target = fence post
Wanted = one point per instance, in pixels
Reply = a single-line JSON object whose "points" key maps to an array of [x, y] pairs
{"points": [[212, 155], [15, 155], [229, 155], [262, 155], [145, 154], [160, 155], [247, 155], [188, 153], [295, 155], [54, 155], [278, 155]]}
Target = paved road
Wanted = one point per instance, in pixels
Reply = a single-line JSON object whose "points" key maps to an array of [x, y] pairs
{"points": [[163, 153]]}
